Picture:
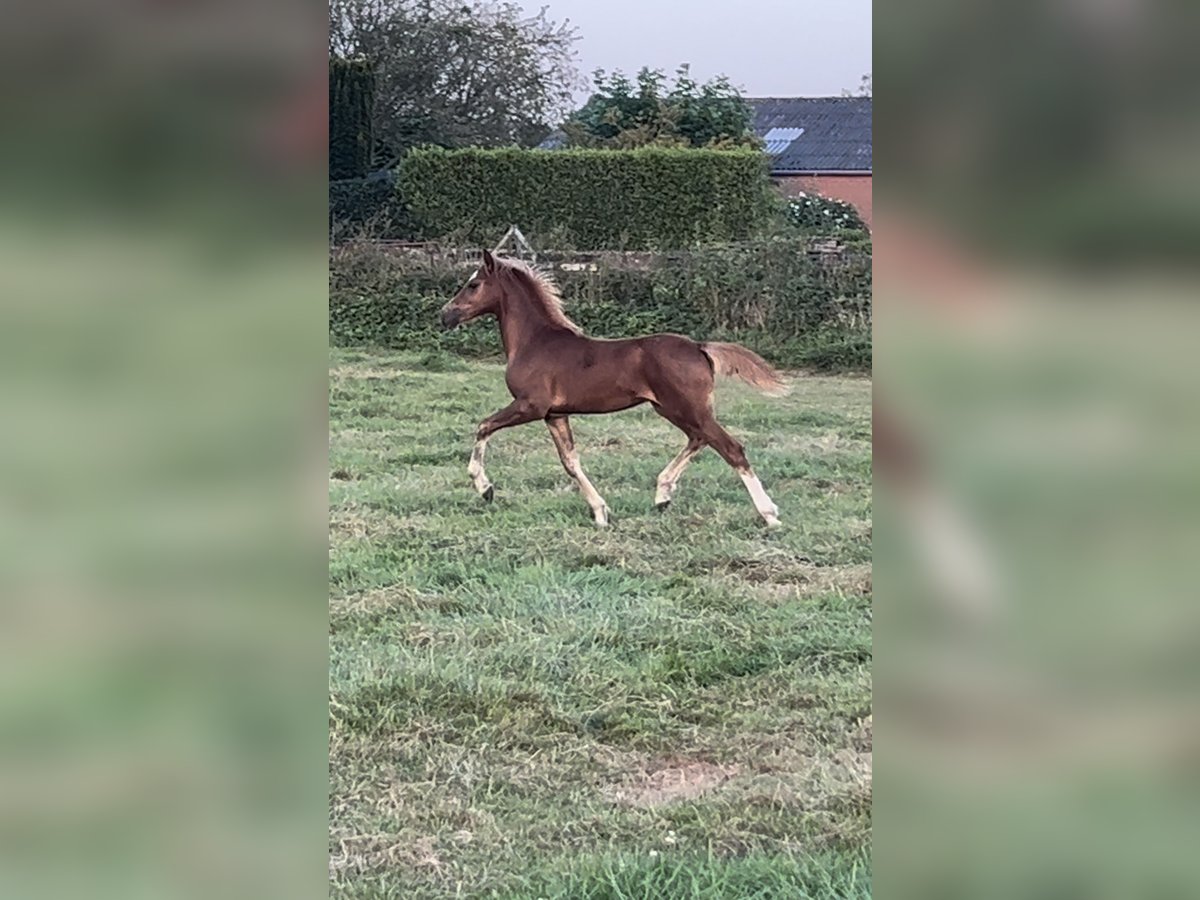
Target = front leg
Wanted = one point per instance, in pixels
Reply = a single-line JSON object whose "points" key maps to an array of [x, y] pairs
{"points": [[564, 441], [516, 413]]}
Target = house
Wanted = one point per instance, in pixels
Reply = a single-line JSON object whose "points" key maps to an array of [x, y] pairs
{"points": [[816, 144], [820, 145]]}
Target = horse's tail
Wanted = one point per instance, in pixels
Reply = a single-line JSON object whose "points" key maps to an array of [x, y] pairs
{"points": [[734, 360]]}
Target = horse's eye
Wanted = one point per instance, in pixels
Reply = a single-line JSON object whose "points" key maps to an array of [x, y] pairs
{"points": [[474, 285]]}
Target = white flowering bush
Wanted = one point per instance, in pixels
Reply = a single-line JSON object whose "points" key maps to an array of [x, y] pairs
{"points": [[814, 214]]}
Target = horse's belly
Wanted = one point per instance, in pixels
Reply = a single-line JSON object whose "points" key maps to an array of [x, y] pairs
{"points": [[585, 395], [582, 407], [594, 377]]}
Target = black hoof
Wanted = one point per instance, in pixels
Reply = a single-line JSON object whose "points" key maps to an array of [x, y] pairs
{"points": [[489, 493], [662, 507]]}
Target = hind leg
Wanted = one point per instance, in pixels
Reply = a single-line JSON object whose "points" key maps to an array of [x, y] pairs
{"points": [[735, 454], [668, 479], [688, 406], [686, 413]]}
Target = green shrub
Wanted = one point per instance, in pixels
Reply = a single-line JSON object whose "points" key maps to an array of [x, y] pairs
{"points": [[368, 207], [813, 214], [794, 308]]}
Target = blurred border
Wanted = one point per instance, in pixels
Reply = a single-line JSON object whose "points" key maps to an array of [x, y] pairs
{"points": [[163, 625], [1036, 640]]}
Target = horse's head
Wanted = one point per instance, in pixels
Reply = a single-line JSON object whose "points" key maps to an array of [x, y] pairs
{"points": [[480, 296]]}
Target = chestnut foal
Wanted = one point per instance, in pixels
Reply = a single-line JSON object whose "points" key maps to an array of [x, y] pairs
{"points": [[555, 371]]}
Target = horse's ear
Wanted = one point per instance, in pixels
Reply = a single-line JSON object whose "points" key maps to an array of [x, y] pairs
{"points": [[489, 261]]}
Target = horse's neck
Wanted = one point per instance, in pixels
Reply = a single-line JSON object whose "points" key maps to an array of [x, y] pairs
{"points": [[521, 318]]}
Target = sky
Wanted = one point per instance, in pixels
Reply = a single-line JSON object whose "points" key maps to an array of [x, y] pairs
{"points": [[768, 48]]}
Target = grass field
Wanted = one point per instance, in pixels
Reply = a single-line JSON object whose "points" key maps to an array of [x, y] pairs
{"points": [[524, 705]]}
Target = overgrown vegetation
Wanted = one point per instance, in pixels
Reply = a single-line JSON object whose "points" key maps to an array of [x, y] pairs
{"points": [[624, 113], [795, 308], [523, 705]]}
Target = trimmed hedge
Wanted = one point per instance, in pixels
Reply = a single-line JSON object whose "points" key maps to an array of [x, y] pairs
{"points": [[649, 198], [794, 309], [595, 199]]}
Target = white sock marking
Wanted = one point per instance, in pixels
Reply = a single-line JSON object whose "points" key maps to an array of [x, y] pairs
{"points": [[590, 494], [475, 467], [668, 479], [768, 510]]}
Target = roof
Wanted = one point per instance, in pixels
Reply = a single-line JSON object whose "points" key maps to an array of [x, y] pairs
{"points": [[555, 140], [802, 134], [815, 134]]}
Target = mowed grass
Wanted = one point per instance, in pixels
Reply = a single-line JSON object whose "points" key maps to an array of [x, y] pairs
{"points": [[524, 705]]}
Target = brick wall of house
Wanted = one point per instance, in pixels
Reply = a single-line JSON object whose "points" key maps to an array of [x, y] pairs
{"points": [[853, 189]]}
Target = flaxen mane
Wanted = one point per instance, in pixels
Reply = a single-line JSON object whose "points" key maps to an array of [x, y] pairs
{"points": [[542, 288]]}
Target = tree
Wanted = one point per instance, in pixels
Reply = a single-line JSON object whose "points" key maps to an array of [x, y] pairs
{"points": [[623, 113], [864, 88], [457, 75], [351, 98]]}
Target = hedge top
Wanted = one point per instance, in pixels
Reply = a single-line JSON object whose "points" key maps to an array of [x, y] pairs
{"points": [[646, 198]]}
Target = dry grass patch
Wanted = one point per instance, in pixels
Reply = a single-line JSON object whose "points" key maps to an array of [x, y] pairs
{"points": [[359, 853], [807, 581], [671, 782], [367, 372], [392, 600]]}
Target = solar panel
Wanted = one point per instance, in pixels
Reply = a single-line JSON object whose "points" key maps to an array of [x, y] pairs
{"points": [[778, 139]]}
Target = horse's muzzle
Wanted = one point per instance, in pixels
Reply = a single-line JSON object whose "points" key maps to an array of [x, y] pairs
{"points": [[450, 318]]}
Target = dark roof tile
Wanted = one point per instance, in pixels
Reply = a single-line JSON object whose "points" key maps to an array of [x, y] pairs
{"points": [[836, 133]]}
